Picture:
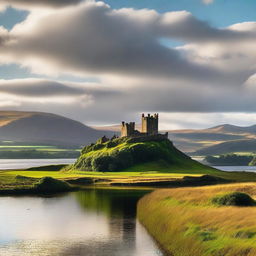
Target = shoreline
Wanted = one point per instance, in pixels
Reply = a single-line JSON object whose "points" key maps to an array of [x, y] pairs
{"points": [[21, 181]]}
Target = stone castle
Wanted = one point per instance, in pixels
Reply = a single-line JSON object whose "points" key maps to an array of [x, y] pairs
{"points": [[149, 127]]}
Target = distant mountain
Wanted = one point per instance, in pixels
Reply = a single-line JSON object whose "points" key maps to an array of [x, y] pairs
{"points": [[36, 128], [228, 128], [220, 129], [45, 128], [229, 147], [195, 141], [113, 128]]}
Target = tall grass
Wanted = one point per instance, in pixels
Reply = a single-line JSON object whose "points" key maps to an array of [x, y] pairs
{"points": [[187, 223]]}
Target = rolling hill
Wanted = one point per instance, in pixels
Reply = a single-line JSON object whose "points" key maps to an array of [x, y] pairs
{"points": [[45, 128], [229, 147], [37, 128], [219, 139]]}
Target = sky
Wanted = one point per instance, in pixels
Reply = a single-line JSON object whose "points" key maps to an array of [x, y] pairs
{"points": [[192, 61]]}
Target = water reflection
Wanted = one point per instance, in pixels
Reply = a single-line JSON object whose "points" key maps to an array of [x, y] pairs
{"points": [[95, 222]]}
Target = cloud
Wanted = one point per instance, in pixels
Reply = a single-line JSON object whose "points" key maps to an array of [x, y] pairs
{"points": [[127, 45], [199, 120], [4, 36], [96, 103], [23, 92], [208, 1], [38, 88], [52, 96], [28, 4], [213, 71]]}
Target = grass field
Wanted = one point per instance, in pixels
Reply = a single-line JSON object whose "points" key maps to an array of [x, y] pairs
{"points": [[185, 221], [8, 178]]}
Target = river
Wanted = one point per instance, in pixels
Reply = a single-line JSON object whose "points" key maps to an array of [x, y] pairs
{"points": [[7, 164], [237, 168], [94, 222]]}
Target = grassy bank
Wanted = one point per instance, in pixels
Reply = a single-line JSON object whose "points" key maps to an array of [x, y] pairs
{"points": [[10, 179], [186, 222], [20, 185]]}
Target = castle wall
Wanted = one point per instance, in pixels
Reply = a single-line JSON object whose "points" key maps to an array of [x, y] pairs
{"points": [[127, 129], [149, 124]]}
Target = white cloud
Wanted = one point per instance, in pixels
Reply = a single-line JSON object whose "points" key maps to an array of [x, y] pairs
{"points": [[208, 1], [195, 120], [20, 92], [126, 45], [209, 73], [32, 4]]}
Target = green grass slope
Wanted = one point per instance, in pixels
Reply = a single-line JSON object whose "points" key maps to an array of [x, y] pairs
{"points": [[143, 154]]}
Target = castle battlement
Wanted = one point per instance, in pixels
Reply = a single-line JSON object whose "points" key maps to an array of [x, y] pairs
{"points": [[127, 129], [149, 127]]}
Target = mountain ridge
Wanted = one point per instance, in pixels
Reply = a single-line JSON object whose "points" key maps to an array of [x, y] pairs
{"points": [[46, 128]]}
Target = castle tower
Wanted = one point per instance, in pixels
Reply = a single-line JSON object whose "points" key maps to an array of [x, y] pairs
{"points": [[149, 124], [127, 129]]}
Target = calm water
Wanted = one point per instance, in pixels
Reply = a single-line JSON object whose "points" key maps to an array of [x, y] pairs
{"points": [[94, 222], [237, 168], [27, 163]]}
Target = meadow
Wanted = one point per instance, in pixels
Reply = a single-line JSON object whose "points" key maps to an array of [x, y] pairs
{"points": [[186, 222], [11, 179]]}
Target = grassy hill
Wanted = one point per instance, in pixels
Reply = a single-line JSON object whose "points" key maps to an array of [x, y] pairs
{"points": [[37, 128], [143, 154]]}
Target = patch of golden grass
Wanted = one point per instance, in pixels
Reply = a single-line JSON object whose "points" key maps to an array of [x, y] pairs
{"points": [[186, 223]]}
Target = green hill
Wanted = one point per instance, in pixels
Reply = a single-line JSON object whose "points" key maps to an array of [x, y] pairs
{"points": [[142, 154]]}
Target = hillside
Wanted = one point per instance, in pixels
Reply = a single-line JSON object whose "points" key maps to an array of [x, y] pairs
{"points": [[152, 153], [229, 147], [228, 128], [226, 138], [45, 128]]}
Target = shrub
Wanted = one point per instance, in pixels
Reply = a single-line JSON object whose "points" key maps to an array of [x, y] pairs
{"points": [[87, 149], [20, 177], [101, 164], [97, 147], [111, 144], [149, 152], [234, 199], [124, 159], [51, 185]]}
